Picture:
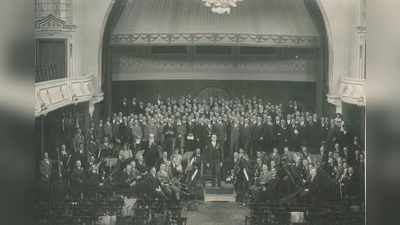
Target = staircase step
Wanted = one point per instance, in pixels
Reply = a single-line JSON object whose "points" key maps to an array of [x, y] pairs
{"points": [[220, 198]]}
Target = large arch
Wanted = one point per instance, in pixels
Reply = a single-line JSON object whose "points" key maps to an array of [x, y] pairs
{"points": [[105, 66]]}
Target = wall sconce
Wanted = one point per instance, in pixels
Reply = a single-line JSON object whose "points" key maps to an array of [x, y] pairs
{"points": [[43, 107]]}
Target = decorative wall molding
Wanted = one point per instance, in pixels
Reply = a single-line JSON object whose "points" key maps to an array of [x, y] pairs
{"points": [[128, 64], [352, 91], [213, 38], [52, 25], [299, 65], [53, 94], [258, 65], [212, 64], [168, 64]]}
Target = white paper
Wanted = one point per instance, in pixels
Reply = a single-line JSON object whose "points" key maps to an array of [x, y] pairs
{"points": [[137, 141], [190, 137]]}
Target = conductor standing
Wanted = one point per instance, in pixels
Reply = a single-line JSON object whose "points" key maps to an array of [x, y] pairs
{"points": [[213, 157]]}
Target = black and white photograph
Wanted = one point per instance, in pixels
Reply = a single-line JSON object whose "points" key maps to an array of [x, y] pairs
{"points": [[200, 112]]}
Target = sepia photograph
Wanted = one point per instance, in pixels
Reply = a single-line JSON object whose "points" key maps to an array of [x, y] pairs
{"points": [[200, 112]]}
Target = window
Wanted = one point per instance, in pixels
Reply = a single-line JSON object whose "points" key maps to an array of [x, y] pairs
{"points": [[206, 49], [257, 50], [168, 50], [51, 59]]}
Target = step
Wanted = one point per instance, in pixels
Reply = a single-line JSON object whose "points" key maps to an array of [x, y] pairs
{"points": [[220, 198], [219, 191]]}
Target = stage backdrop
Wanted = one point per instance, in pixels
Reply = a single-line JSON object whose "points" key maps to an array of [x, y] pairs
{"points": [[276, 91]]}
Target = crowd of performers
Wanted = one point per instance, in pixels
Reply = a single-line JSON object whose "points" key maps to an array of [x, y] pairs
{"points": [[251, 140]]}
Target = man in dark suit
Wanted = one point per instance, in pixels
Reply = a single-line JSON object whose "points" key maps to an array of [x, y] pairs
{"points": [[283, 135], [296, 107], [269, 191], [245, 137], [312, 189], [77, 175], [151, 153], [132, 107], [152, 185], [219, 129], [140, 109], [45, 168], [332, 135], [356, 145], [304, 133], [213, 158], [201, 135], [345, 137], [259, 135], [271, 134], [124, 107], [351, 183], [235, 137], [99, 131]]}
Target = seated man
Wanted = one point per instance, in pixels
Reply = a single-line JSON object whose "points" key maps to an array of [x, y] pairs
{"points": [[152, 186], [269, 192], [93, 179], [261, 181], [141, 166], [311, 190], [167, 186]]}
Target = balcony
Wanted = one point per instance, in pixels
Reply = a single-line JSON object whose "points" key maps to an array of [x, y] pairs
{"points": [[353, 91], [54, 94]]}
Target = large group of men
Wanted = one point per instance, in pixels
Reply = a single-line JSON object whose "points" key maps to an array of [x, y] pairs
{"points": [[252, 134]]}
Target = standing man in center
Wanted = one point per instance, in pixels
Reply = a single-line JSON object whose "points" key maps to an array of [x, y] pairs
{"points": [[213, 153], [235, 137]]}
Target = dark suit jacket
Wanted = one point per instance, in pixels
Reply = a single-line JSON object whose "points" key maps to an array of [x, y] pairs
{"points": [[142, 168], [259, 131], [212, 153], [152, 184], [132, 108], [284, 134], [220, 131], [45, 169], [235, 132], [76, 176], [273, 186], [124, 108], [245, 133], [151, 155], [332, 133], [92, 179]]}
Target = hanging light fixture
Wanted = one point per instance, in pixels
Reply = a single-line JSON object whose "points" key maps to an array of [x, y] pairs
{"points": [[221, 6]]}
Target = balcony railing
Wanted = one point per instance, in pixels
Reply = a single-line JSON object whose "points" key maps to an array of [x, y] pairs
{"points": [[53, 94], [353, 91], [47, 72]]}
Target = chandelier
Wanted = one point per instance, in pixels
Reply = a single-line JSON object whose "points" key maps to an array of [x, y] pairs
{"points": [[221, 6]]}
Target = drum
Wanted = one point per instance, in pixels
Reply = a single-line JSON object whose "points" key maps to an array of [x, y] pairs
{"points": [[297, 217]]}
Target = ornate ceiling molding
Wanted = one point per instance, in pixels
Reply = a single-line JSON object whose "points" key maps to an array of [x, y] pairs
{"points": [[242, 39]]}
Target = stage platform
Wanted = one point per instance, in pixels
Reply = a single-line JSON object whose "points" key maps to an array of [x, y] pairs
{"points": [[215, 194]]}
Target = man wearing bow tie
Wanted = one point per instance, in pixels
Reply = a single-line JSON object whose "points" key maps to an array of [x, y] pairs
{"points": [[213, 157]]}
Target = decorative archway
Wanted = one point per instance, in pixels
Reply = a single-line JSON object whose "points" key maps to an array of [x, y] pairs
{"points": [[212, 92]]}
